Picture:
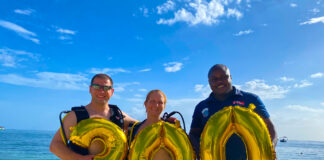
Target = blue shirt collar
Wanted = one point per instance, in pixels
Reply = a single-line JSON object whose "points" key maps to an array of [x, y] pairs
{"points": [[236, 92]]}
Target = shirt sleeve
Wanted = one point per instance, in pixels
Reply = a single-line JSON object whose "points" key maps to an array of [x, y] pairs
{"points": [[196, 123], [196, 118], [260, 108]]}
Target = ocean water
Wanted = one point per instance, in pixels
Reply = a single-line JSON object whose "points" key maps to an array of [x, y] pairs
{"points": [[34, 145], [25, 145]]}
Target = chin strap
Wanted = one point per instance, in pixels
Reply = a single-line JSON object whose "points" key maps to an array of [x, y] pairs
{"points": [[167, 115]]}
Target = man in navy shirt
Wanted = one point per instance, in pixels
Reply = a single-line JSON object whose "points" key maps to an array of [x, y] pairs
{"points": [[224, 95]]}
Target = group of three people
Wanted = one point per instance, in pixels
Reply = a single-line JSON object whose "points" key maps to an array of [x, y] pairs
{"points": [[223, 95]]}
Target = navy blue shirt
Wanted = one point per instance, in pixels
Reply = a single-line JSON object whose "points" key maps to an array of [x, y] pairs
{"points": [[235, 148]]}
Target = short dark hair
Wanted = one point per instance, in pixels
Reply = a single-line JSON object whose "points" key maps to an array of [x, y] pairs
{"points": [[217, 66], [102, 76]]}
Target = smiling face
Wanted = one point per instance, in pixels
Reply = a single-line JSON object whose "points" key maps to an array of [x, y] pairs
{"points": [[155, 103], [220, 80], [101, 96]]}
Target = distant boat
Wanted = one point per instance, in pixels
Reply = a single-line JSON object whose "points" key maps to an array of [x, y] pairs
{"points": [[2, 128], [283, 139]]}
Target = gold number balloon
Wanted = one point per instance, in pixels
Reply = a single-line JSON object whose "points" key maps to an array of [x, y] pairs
{"points": [[161, 136], [245, 123], [102, 137]]}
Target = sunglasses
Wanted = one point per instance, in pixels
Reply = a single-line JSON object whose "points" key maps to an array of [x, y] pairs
{"points": [[98, 87]]}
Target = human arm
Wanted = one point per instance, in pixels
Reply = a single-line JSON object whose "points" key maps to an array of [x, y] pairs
{"points": [[272, 131], [59, 148], [127, 120], [262, 111], [194, 136], [195, 130]]}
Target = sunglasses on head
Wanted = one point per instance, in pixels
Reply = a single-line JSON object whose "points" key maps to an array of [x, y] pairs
{"points": [[98, 87]]}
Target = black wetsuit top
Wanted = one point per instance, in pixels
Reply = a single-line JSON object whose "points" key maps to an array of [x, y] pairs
{"points": [[82, 114], [130, 136]]}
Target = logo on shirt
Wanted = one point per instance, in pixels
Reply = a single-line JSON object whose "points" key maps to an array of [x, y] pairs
{"points": [[205, 112], [239, 103]]}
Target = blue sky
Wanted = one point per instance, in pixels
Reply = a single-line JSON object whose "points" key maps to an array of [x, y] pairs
{"points": [[49, 50]]}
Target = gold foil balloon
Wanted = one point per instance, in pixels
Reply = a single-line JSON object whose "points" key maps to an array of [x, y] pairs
{"points": [[102, 138], [161, 138], [245, 123]]}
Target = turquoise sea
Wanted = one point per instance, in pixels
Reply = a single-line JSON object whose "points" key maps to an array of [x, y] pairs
{"points": [[34, 145]]}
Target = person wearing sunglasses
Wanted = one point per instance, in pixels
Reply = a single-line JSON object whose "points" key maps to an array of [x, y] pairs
{"points": [[101, 90]]}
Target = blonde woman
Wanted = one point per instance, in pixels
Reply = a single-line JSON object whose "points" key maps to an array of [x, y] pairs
{"points": [[154, 104]]}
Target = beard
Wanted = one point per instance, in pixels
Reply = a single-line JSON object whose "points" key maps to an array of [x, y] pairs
{"points": [[100, 101]]}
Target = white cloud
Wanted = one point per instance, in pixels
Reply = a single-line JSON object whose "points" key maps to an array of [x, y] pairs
{"points": [[303, 84], [305, 108], [16, 28], [35, 40], [138, 95], [48, 80], [199, 87], [306, 119], [246, 32], [234, 13], [181, 102], [66, 31], [172, 66], [135, 100], [314, 20], [7, 60], [286, 79], [24, 12], [317, 75], [293, 5], [145, 70], [138, 111], [64, 37], [265, 91], [142, 90], [11, 58], [144, 10], [185, 106], [165, 7], [20, 31], [315, 10], [109, 71], [180, 15], [322, 103], [204, 90], [207, 12], [120, 87]]}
